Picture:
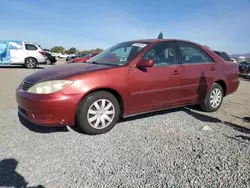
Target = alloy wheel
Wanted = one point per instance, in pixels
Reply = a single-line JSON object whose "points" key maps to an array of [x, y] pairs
{"points": [[30, 63]]}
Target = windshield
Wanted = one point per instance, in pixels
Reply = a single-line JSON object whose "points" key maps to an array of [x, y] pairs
{"points": [[119, 54]]}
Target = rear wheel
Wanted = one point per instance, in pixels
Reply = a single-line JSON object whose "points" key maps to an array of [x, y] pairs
{"points": [[214, 99], [98, 113], [30, 63]]}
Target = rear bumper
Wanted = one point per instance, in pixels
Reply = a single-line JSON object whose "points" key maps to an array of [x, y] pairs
{"points": [[41, 59], [55, 109]]}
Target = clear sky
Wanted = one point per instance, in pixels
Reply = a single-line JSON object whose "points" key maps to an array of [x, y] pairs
{"points": [[85, 24]]}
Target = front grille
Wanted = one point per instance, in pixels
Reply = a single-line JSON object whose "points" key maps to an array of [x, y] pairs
{"points": [[26, 85]]}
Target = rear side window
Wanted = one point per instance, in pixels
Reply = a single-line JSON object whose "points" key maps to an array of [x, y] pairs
{"points": [[223, 55], [193, 54], [30, 47]]}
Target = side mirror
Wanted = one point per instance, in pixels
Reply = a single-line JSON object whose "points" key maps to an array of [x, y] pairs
{"points": [[145, 63]]}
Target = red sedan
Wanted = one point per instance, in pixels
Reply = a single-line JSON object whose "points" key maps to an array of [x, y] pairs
{"points": [[83, 59], [127, 79]]}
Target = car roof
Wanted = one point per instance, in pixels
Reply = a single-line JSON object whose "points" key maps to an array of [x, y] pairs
{"points": [[30, 43], [161, 40]]}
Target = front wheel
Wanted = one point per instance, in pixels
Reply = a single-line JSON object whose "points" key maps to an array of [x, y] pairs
{"points": [[98, 113], [214, 99]]}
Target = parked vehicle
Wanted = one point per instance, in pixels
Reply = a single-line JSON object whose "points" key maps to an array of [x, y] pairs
{"points": [[70, 57], [20, 53], [224, 56], [234, 60], [50, 59], [152, 75], [76, 56], [244, 69], [84, 58], [47, 50]]}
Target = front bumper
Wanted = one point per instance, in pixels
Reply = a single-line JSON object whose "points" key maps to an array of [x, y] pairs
{"points": [[55, 109]]}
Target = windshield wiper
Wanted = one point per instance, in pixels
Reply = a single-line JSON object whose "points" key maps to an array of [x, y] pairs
{"points": [[109, 64]]}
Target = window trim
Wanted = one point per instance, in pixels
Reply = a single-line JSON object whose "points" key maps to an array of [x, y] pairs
{"points": [[192, 44], [176, 52]]}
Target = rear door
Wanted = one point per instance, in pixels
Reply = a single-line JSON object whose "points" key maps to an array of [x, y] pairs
{"points": [[198, 72]]}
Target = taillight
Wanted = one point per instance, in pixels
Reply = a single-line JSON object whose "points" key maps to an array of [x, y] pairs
{"points": [[42, 53]]}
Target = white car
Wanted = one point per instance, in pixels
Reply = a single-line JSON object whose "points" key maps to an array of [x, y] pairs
{"points": [[234, 60], [14, 52]]}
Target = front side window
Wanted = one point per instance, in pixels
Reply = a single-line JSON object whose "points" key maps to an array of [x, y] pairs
{"points": [[163, 54], [120, 54], [192, 54], [30, 47]]}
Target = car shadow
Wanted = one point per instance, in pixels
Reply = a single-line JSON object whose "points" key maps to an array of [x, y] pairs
{"points": [[194, 110], [10, 177], [17, 67], [246, 119], [150, 114], [190, 111], [40, 129]]}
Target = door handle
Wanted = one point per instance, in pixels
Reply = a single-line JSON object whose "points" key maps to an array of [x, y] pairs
{"points": [[212, 69], [176, 72]]}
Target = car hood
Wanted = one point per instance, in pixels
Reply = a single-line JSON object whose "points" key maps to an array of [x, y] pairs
{"points": [[63, 71]]}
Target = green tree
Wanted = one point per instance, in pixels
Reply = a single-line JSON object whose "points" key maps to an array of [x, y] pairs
{"points": [[57, 49], [160, 36], [72, 50], [98, 50], [92, 50]]}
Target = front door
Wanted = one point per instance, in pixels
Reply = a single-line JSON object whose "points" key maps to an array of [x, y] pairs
{"points": [[156, 87]]}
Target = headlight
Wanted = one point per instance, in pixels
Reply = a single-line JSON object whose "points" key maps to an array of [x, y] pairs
{"points": [[49, 86]]}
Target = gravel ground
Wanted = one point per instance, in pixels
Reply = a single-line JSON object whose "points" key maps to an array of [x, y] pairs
{"points": [[175, 148]]}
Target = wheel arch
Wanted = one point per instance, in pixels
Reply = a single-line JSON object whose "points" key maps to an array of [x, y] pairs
{"points": [[223, 85], [117, 95], [32, 58]]}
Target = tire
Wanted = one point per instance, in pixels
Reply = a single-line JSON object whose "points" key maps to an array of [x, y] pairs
{"points": [[208, 106], [93, 122], [48, 62], [30, 63]]}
